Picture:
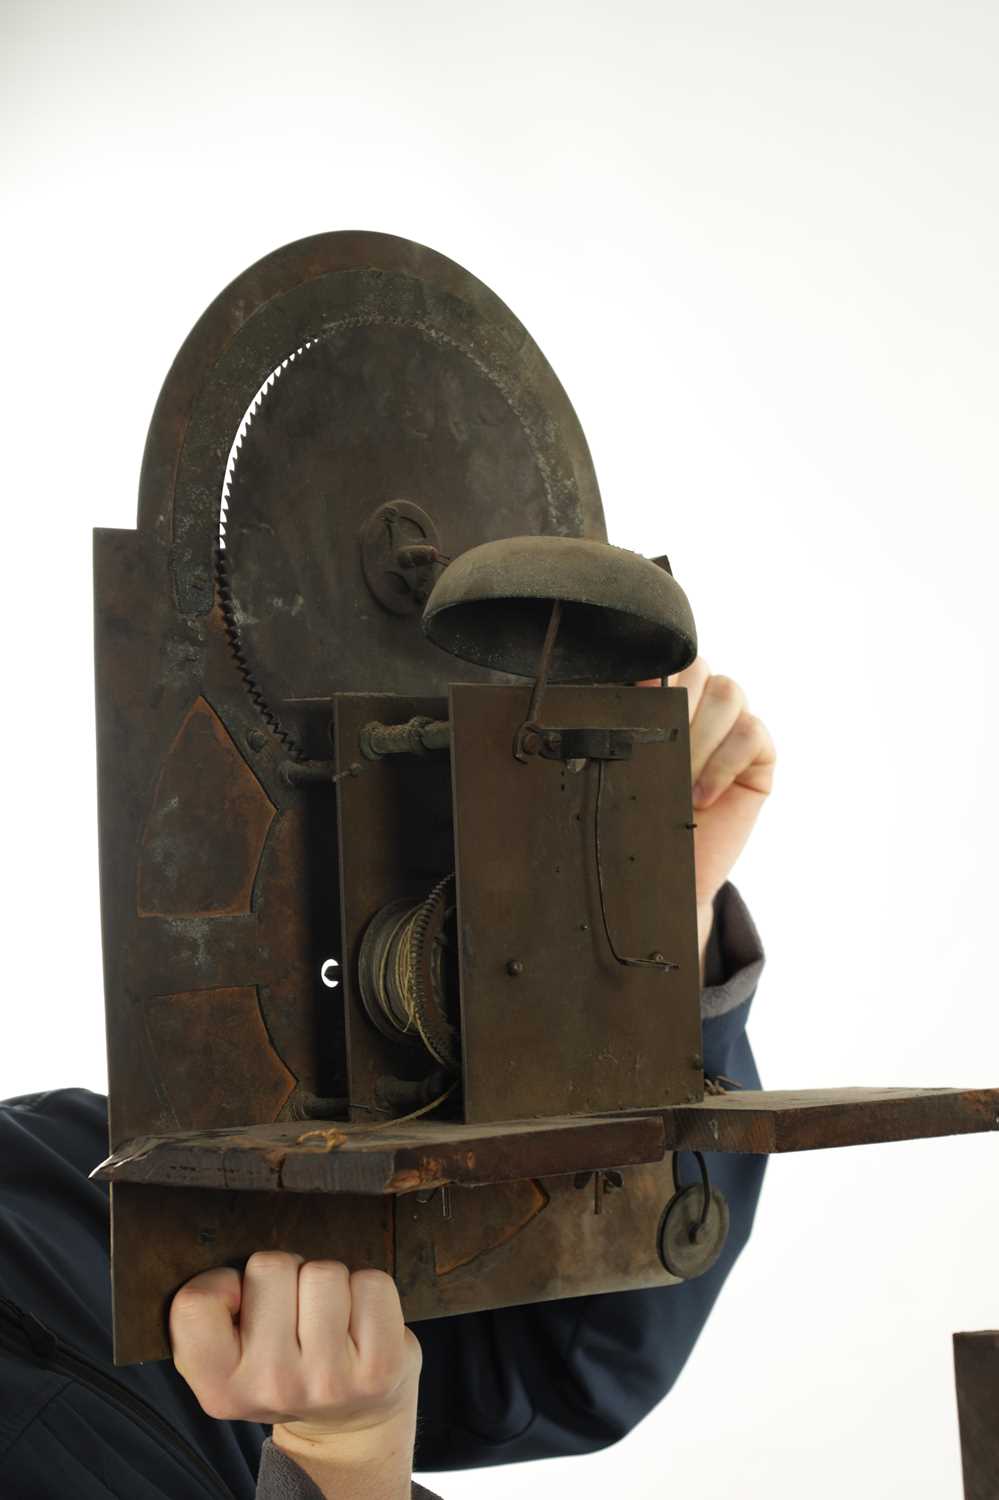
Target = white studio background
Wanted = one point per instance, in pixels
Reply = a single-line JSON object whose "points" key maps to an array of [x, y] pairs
{"points": [[758, 243]]}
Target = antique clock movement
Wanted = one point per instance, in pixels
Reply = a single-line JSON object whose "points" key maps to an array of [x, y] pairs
{"points": [[396, 859]]}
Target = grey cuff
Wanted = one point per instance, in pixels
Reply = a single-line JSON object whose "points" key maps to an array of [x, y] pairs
{"points": [[735, 957], [280, 1478]]}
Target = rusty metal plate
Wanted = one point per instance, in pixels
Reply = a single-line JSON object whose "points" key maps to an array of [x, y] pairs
{"points": [[976, 1370], [530, 1241], [816, 1119], [551, 1023], [219, 879], [398, 375]]}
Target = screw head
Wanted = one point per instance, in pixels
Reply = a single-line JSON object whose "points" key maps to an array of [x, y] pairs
{"points": [[514, 967], [256, 739]]}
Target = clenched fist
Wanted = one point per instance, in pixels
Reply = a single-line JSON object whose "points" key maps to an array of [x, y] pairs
{"points": [[319, 1351]]}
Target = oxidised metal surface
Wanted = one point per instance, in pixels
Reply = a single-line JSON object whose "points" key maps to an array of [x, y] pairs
{"points": [[530, 1240], [220, 874], [572, 1031], [623, 619], [419, 380], [393, 527], [400, 302], [976, 1370], [218, 880], [690, 1240]]}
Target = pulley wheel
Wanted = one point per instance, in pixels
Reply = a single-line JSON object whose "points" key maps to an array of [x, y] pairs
{"points": [[686, 1247]]}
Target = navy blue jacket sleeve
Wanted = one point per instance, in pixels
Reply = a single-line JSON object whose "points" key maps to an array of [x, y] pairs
{"points": [[553, 1379]]}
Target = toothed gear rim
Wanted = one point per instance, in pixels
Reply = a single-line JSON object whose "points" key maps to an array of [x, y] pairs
{"points": [[429, 925], [402, 377], [373, 412]]}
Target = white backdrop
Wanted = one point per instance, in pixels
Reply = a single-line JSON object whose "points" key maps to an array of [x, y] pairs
{"points": [[758, 243]]}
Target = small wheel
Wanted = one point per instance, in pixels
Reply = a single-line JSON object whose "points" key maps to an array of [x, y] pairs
{"points": [[687, 1246]]}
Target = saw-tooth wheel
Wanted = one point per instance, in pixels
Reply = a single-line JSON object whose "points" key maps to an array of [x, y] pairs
{"points": [[432, 972], [407, 973]]}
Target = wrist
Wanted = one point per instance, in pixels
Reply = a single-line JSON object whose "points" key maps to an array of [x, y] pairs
{"points": [[356, 1442], [389, 1440], [375, 1462]]}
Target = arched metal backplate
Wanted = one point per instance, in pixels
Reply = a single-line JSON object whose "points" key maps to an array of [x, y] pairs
{"points": [[414, 381], [400, 377]]}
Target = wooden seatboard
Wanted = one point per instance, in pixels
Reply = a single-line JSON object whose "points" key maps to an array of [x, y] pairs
{"points": [[341, 1156], [818, 1119]]}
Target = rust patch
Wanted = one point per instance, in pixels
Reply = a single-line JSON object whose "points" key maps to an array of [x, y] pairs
{"points": [[404, 1182], [214, 1059], [467, 1237], [207, 827]]}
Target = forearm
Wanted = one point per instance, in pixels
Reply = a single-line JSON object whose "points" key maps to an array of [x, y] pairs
{"points": [[375, 1464]]}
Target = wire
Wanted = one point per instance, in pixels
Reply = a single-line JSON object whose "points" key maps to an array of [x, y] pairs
{"points": [[663, 964]]}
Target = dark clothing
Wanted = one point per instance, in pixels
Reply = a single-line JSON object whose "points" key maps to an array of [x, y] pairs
{"points": [[536, 1381]]}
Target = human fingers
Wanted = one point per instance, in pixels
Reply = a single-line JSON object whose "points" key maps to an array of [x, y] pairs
{"points": [[694, 678], [378, 1331], [362, 1364], [316, 1351], [250, 1371], [204, 1336], [719, 706], [746, 755], [269, 1315]]}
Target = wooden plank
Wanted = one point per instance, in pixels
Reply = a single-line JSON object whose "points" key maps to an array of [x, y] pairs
{"points": [[816, 1119], [340, 1156], [976, 1370]]}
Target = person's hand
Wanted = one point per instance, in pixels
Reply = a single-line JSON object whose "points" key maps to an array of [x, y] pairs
{"points": [[319, 1351], [732, 759]]}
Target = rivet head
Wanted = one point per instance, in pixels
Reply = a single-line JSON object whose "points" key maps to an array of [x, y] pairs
{"points": [[514, 967], [256, 739]]}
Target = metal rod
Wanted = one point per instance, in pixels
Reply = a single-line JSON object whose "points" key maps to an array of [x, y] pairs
{"points": [[544, 665]]}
